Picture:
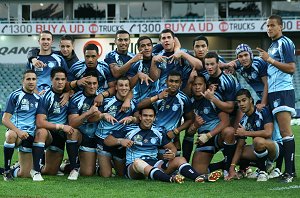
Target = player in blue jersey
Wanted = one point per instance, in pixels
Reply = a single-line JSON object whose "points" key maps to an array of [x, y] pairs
{"points": [[143, 85], [267, 142], [66, 45], [142, 142], [112, 118], [171, 104], [52, 128], [49, 59], [120, 60], [81, 109], [281, 97], [168, 60], [19, 118]]}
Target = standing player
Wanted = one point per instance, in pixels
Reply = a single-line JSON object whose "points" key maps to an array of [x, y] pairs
{"points": [[49, 59], [52, 129], [142, 142], [19, 118], [281, 97], [259, 126]]}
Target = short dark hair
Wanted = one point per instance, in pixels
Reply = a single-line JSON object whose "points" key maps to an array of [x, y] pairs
{"points": [[175, 73], [245, 92], [46, 32], [91, 73], [56, 70], [200, 38], [121, 32], [67, 37], [143, 38], [123, 78], [277, 18], [91, 47], [212, 55], [29, 71], [166, 31], [200, 75], [147, 107]]}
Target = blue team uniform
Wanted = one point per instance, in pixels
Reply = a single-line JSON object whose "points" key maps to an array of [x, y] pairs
{"points": [[119, 59], [254, 73], [44, 73], [23, 106], [146, 142], [142, 91], [170, 110], [79, 69]]}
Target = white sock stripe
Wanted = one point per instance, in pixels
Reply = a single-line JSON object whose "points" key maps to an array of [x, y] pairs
{"points": [[9, 145], [288, 138], [261, 155], [152, 172], [181, 166]]}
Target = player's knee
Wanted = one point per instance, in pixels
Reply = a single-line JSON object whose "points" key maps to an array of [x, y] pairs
{"points": [[228, 134], [11, 136], [139, 166], [179, 160], [259, 143], [40, 135]]}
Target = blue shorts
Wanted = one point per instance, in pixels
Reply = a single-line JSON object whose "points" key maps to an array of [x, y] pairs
{"points": [[26, 145], [58, 141], [88, 144], [211, 146], [117, 152], [282, 101]]}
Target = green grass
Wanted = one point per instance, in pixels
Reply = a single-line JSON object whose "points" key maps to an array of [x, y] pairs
{"points": [[59, 186]]}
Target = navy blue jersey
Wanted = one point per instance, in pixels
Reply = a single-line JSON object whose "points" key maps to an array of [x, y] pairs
{"points": [[112, 106], [142, 91], [146, 142], [281, 50], [227, 86], [44, 73], [79, 104], [79, 69], [254, 73], [170, 110], [119, 59], [49, 106], [208, 111], [23, 106]]}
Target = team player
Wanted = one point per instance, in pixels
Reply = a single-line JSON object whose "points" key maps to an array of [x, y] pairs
{"points": [[120, 60], [66, 45], [143, 85], [171, 105], [49, 59], [19, 118], [142, 142], [81, 110], [113, 119], [281, 97], [52, 129], [267, 142]]}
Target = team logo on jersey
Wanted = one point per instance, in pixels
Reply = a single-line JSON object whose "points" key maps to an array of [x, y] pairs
{"points": [[258, 123], [24, 104], [51, 64], [56, 109], [36, 104], [254, 75], [113, 110], [276, 103], [175, 107], [153, 140], [248, 127], [206, 110], [85, 107], [137, 138]]}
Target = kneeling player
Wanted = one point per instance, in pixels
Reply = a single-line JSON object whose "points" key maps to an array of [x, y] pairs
{"points": [[142, 142], [259, 126], [19, 118]]}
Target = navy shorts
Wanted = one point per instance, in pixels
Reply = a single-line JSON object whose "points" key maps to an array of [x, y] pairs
{"points": [[26, 145], [211, 146], [88, 144], [58, 141], [282, 101], [116, 152]]}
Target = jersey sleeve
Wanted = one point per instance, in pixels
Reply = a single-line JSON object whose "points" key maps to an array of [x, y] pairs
{"points": [[73, 107], [288, 50], [133, 69], [157, 48], [267, 115], [262, 67], [109, 59], [108, 75], [11, 104], [43, 106]]}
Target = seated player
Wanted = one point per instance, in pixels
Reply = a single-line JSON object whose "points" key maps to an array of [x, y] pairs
{"points": [[142, 142]]}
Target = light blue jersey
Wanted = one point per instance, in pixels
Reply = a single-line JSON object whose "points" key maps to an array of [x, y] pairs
{"points": [[49, 106], [146, 141], [44, 73], [23, 106], [170, 110], [79, 69], [79, 104], [142, 91], [281, 50], [119, 59], [112, 106]]}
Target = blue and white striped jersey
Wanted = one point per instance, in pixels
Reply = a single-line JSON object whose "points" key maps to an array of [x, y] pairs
{"points": [[119, 59]]}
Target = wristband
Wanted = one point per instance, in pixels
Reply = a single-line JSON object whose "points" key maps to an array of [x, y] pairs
{"points": [[232, 164], [270, 60], [208, 135], [175, 131], [118, 141]]}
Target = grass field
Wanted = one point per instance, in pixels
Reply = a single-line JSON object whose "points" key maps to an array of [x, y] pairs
{"points": [[59, 186]]}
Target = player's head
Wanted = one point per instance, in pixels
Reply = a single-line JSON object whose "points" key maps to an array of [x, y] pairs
{"points": [[59, 79], [244, 100], [166, 38], [122, 87], [66, 45], [211, 60], [91, 55], [122, 40], [244, 54], [92, 82], [147, 116], [200, 46], [29, 81], [46, 40], [199, 85], [274, 26], [144, 43], [174, 81]]}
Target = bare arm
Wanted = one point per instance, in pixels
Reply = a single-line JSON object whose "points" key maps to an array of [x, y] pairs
{"points": [[154, 70], [265, 133], [224, 122]]}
